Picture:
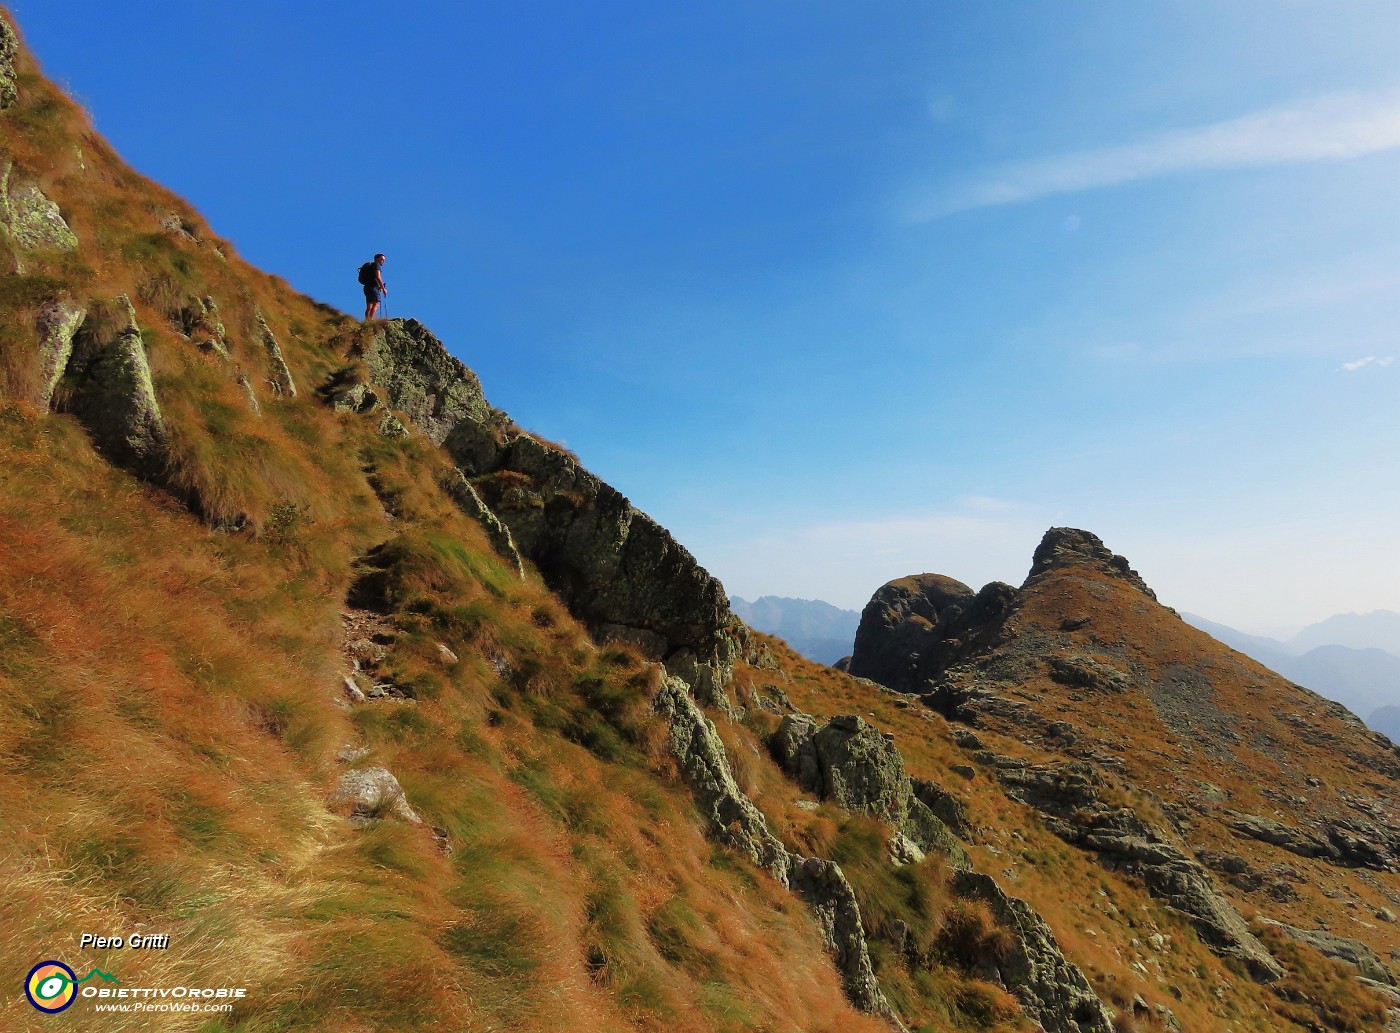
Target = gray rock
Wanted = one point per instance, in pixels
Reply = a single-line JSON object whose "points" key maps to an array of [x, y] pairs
{"points": [[245, 382], [115, 397], [823, 886], [57, 325], [915, 628], [9, 49], [32, 221], [857, 767], [1052, 990], [1068, 546], [619, 571], [1266, 830], [1069, 798], [734, 820], [698, 749], [1342, 948], [460, 490], [373, 793], [1080, 671], [200, 322], [945, 806], [279, 376]]}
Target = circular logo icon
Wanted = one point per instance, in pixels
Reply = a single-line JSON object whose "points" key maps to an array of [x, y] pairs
{"points": [[51, 986]]}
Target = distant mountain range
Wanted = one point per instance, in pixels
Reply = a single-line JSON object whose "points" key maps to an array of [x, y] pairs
{"points": [[1353, 658], [817, 630]]}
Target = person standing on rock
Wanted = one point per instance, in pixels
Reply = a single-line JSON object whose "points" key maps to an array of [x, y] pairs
{"points": [[372, 279]]}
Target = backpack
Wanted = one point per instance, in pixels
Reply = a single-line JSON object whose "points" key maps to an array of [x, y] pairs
{"points": [[367, 272]]}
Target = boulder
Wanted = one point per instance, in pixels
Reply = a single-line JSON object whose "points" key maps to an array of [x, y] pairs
{"points": [[733, 819], [115, 397], [1069, 797], [915, 628], [57, 324], [373, 794], [1052, 990], [32, 221], [1342, 948]]}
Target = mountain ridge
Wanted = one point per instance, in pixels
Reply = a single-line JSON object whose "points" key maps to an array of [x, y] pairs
{"points": [[388, 708]]}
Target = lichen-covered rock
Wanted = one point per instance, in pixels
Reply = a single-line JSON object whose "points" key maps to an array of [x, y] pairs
{"points": [[57, 324], [9, 49], [460, 490], [32, 221], [699, 751], [200, 321], [734, 820], [246, 382], [619, 571], [279, 376], [858, 767], [372, 794], [115, 397], [823, 886], [1080, 671], [439, 395], [915, 628], [1052, 990]]}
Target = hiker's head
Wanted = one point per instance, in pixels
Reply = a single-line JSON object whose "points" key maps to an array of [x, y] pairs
{"points": [[379, 259]]}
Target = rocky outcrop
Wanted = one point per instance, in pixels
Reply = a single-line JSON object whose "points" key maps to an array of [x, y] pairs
{"points": [[1069, 797], [200, 321], [698, 749], [857, 767], [372, 794], [1347, 842], [1053, 991], [29, 218], [460, 490], [57, 325], [279, 376], [733, 819], [1341, 948], [1069, 546], [619, 571], [114, 396], [9, 49], [915, 628]]}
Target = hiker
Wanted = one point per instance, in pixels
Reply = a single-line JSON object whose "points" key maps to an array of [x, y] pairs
{"points": [[373, 282]]}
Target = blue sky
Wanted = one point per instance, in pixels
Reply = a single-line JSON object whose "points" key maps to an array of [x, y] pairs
{"points": [[840, 292]]}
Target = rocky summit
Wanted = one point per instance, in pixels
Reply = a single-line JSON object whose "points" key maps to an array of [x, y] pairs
{"points": [[388, 714]]}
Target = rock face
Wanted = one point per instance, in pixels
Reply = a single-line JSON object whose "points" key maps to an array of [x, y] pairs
{"points": [[915, 628], [857, 767], [1070, 797], [1342, 948], [57, 324], [9, 48], [1062, 546], [1052, 991], [620, 572], [734, 820], [31, 220], [114, 395], [469, 502]]}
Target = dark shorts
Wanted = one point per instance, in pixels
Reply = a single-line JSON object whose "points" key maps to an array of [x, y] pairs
{"points": [[373, 295]]}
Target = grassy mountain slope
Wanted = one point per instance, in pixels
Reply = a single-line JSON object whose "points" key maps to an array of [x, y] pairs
{"points": [[272, 683]]}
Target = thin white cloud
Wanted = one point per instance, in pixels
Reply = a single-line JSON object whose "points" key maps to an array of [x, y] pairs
{"points": [[1369, 360], [1332, 127]]}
